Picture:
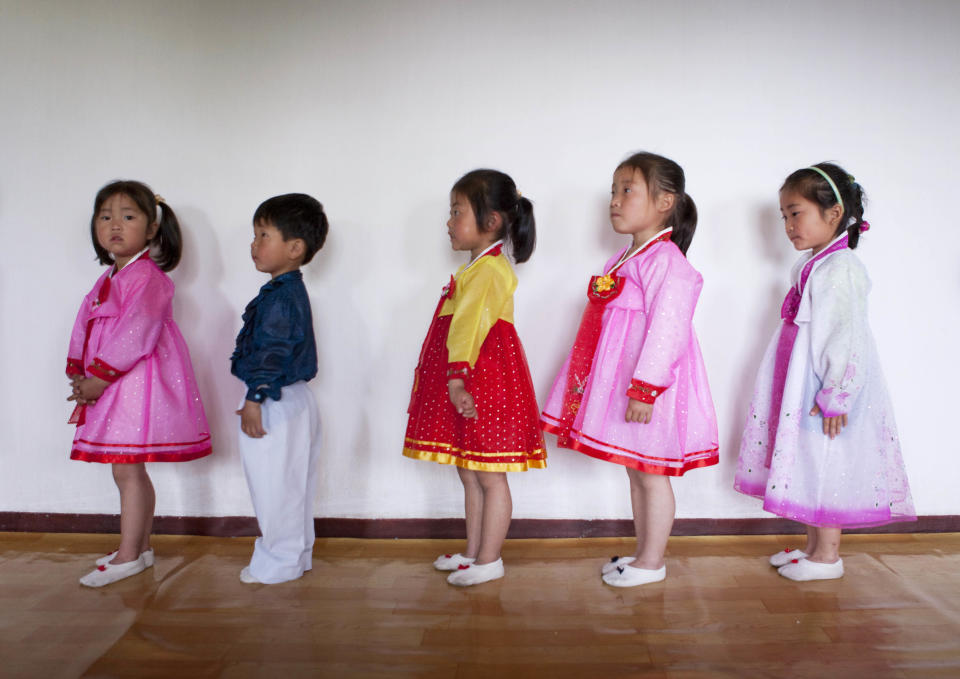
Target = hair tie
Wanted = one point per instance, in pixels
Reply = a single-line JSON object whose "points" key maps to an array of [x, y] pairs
{"points": [[157, 197], [519, 195], [864, 226], [836, 192]]}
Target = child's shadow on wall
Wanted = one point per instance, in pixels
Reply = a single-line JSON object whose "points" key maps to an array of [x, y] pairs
{"points": [[207, 320], [759, 329]]}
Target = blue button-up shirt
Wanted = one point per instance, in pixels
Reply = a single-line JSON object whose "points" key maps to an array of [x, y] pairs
{"points": [[276, 346]]}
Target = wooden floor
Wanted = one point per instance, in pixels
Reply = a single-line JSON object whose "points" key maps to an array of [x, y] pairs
{"points": [[376, 608]]}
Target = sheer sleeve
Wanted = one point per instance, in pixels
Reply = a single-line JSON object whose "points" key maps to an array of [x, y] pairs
{"points": [[485, 292], [838, 332]]}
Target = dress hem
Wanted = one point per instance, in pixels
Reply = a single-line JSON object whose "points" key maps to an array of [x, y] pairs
{"points": [[459, 461], [118, 458]]}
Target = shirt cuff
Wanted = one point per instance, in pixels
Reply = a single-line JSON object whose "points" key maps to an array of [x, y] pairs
{"points": [[644, 391], [832, 404], [74, 367], [262, 392], [459, 370], [105, 371]]}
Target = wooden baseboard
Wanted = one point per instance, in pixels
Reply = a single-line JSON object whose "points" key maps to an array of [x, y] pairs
{"points": [[240, 526]]}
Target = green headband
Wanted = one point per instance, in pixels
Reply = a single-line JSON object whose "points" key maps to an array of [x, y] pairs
{"points": [[833, 186]]}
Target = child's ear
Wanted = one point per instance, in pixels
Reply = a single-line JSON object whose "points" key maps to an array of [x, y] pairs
{"points": [[494, 221], [833, 214], [152, 231], [665, 201], [296, 248]]}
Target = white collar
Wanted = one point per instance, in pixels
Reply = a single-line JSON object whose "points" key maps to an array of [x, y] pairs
{"points": [[623, 260]]}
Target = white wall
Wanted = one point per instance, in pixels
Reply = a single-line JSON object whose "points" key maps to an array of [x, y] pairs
{"points": [[376, 108]]}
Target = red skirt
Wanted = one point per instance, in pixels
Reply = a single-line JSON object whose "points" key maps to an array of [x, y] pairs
{"points": [[506, 434]]}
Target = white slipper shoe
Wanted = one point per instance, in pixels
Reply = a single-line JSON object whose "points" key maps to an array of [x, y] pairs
{"points": [[783, 557], [805, 569], [472, 574], [147, 558], [628, 576], [612, 564], [451, 562], [247, 577], [104, 574]]}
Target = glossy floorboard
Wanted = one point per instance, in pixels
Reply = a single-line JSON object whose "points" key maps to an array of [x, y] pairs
{"points": [[376, 608]]}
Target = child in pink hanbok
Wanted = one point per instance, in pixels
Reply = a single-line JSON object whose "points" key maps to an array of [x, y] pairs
{"points": [[634, 389], [820, 445], [129, 368]]}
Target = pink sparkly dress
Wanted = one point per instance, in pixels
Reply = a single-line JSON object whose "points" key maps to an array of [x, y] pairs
{"points": [[636, 340], [126, 335], [824, 353]]}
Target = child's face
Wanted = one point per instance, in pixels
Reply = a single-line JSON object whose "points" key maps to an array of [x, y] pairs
{"points": [[807, 226], [123, 229], [462, 227], [632, 209], [273, 255]]}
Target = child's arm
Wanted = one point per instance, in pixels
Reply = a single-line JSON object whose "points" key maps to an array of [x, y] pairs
{"points": [[144, 307], [670, 291], [251, 422], [838, 337], [484, 294]]}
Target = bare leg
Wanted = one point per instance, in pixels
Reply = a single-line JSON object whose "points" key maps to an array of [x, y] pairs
{"points": [[654, 521], [811, 540], [137, 501], [497, 510], [827, 549], [473, 510]]}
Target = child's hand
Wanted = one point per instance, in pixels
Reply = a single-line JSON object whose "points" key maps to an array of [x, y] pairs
{"points": [[832, 426], [86, 390], [461, 399], [250, 421], [638, 411]]}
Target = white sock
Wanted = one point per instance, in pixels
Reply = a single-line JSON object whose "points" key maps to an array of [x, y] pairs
{"points": [[451, 562], [472, 574], [785, 556], [628, 576], [805, 569], [612, 564], [147, 557], [246, 577], [107, 573]]}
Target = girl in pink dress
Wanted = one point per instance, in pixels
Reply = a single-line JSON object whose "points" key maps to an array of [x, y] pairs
{"points": [[129, 368], [820, 444], [634, 389]]}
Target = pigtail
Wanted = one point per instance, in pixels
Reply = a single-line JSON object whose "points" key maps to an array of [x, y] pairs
{"points": [[854, 206], [684, 221], [522, 232], [167, 244]]}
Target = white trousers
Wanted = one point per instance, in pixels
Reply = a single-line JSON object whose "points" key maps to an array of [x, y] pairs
{"points": [[281, 471]]}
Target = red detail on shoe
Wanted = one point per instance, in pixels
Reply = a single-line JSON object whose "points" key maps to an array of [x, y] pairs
{"points": [[463, 567], [448, 556], [795, 561], [787, 550], [101, 568]]}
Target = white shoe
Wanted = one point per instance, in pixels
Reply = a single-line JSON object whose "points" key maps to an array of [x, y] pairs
{"points": [[612, 564], [628, 576], [472, 574], [247, 577], [104, 574], [147, 558], [805, 569], [451, 562], [785, 556]]}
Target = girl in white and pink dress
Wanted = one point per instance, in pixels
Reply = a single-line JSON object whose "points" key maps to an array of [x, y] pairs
{"points": [[820, 445], [634, 389], [129, 368]]}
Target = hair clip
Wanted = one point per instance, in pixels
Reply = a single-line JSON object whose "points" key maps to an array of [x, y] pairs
{"points": [[519, 195], [157, 197]]}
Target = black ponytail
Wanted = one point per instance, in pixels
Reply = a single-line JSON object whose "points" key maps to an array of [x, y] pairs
{"points": [[663, 175], [166, 244], [811, 185], [493, 191]]}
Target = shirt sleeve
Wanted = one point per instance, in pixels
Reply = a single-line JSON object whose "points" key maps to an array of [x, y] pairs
{"points": [[670, 291], [278, 331], [144, 307], [77, 338], [839, 335], [484, 295]]}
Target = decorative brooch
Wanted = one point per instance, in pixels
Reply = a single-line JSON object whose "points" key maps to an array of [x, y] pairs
{"points": [[449, 288], [603, 284]]}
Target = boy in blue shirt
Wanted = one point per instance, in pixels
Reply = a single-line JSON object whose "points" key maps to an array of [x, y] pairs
{"points": [[275, 356]]}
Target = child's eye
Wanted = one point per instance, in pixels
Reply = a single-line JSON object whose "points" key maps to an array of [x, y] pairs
{"points": [[627, 190]]}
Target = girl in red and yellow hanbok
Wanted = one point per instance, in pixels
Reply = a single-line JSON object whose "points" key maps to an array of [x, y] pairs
{"points": [[473, 403]]}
